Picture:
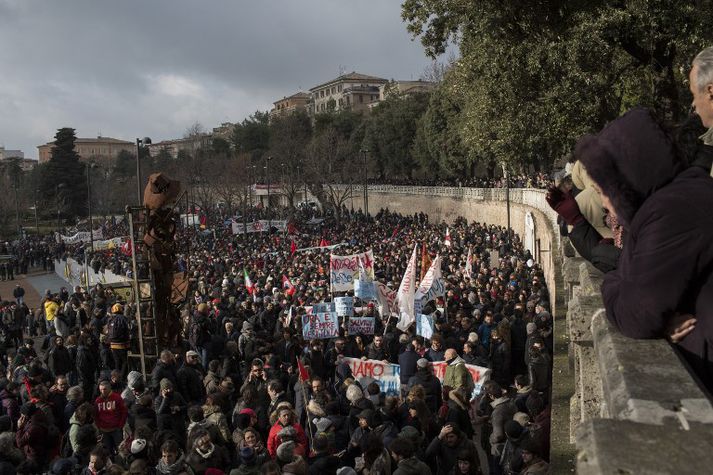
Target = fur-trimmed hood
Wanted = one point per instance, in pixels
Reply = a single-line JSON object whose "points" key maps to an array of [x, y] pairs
{"points": [[629, 159]]}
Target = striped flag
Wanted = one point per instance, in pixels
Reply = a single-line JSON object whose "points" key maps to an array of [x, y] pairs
{"points": [[248, 282]]}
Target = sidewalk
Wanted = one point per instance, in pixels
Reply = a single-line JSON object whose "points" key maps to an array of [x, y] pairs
{"points": [[34, 284]]}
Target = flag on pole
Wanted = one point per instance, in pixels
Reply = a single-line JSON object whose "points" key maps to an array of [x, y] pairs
{"points": [[323, 243], [406, 292], [304, 374], [425, 261], [293, 247], [469, 264], [248, 282], [395, 232], [287, 284], [448, 237], [432, 285]]}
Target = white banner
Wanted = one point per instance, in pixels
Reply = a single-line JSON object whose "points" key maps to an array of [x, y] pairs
{"points": [[82, 236], [344, 306], [259, 226], [387, 300]]}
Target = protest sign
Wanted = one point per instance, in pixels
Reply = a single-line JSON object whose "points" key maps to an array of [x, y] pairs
{"points": [[324, 307], [387, 376], [344, 306], [424, 326], [108, 244], [365, 290], [360, 325], [317, 326], [345, 270]]}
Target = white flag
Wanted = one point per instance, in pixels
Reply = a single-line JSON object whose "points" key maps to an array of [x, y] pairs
{"points": [[406, 292], [432, 285], [448, 237]]}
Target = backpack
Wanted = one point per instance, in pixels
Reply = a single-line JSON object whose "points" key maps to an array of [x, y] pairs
{"points": [[118, 329], [197, 334], [65, 446]]}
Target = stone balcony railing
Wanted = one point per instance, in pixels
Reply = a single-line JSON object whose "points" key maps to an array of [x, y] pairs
{"points": [[631, 406]]}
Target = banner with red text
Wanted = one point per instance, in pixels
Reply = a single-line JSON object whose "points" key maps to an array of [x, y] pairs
{"points": [[344, 270], [388, 376]]}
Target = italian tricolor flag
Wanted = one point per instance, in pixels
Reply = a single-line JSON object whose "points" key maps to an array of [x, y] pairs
{"points": [[248, 282]]}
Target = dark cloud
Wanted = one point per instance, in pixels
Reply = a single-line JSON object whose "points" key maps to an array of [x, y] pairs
{"points": [[133, 67]]}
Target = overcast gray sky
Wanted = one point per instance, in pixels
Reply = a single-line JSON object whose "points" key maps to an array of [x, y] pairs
{"points": [[134, 68]]}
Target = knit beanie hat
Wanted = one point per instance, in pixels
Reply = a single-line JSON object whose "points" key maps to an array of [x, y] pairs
{"points": [[286, 452], [166, 384]]}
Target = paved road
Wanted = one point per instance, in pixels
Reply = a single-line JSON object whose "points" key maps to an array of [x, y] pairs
{"points": [[34, 285]]}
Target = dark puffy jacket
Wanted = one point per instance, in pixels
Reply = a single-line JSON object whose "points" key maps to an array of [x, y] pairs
{"points": [[59, 361], [407, 362], [190, 383], [160, 371], [666, 265], [431, 385]]}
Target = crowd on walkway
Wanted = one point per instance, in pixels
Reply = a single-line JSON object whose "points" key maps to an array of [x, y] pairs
{"points": [[540, 180], [245, 393]]}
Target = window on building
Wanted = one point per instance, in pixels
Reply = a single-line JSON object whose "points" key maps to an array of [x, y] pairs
{"points": [[340, 102], [339, 88], [348, 100], [333, 90], [361, 99]]}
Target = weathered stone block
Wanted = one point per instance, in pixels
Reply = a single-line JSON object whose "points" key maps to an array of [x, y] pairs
{"points": [[589, 381], [645, 381], [607, 446], [590, 279], [579, 315]]}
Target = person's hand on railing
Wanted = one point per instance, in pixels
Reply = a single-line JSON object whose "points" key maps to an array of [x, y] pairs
{"points": [[680, 326]]}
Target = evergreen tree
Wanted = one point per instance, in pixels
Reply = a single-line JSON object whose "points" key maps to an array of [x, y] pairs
{"points": [[63, 180]]}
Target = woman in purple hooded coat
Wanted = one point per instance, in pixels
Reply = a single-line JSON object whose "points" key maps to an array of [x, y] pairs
{"points": [[663, 285]]}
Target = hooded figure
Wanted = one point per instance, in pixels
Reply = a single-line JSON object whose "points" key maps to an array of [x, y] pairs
{"points": [[666, 266]]}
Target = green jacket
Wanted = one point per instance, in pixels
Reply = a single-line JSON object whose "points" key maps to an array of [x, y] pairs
{"points": [[456, 374]]}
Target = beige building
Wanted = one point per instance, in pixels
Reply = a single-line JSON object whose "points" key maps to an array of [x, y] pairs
{"points": [[405, 88], [224, 131], [190, 145], [349, 91], [100, 148], [288, 105]]}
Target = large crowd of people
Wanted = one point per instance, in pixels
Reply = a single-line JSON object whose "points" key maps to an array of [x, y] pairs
{"points": [[245, 393]]}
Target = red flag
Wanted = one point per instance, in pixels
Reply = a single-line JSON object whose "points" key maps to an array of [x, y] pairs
{"points": [[287, 284], [396, 231], [304, 374], [293, 248], [323, 243]]}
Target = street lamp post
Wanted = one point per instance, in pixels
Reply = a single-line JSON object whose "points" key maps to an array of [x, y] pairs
{"points": [[17, 209], [366, 186], [37, 223], [267, 179], [139, 143], [89, 205]]}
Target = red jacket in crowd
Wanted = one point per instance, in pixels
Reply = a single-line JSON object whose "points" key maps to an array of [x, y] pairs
{"points": [[111, 412]]}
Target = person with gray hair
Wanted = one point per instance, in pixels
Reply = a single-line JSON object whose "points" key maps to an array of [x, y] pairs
{"points": [[701, 84]]}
